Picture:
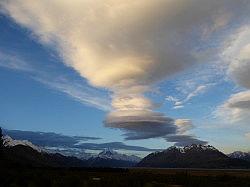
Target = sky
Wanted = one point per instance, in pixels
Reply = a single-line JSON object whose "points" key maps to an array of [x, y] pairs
{"points": [[146, 73]]}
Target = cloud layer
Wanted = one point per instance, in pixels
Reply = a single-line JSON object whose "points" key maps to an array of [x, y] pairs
{"points": [[128, 46], [50, 139], [184, 140], [237, 54], [236, 109], [141, 124]]}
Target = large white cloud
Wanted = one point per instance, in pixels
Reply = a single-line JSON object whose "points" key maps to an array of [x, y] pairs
{"points": [[247, 135], [236, 109], [237, 54], [127, 46]]}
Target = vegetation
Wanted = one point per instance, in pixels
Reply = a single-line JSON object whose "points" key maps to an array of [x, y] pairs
{"points": [[76, 177]]}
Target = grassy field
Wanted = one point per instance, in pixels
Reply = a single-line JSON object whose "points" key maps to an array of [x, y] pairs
{"points": [[74, 177]]}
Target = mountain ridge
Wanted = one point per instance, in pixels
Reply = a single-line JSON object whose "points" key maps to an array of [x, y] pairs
{"points": [[240, 155], [193, 156], [109, 157], [24, 153]]}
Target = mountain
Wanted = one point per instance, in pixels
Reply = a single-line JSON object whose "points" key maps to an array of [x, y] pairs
{"points": [[110, 158], [67, 151], [9, 142], [110, 154], [22, 153], [25, 156], [193, 156], [240, 155]]}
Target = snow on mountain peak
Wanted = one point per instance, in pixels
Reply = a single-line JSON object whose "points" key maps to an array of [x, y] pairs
{"points": [[189, 147], [238, 154], [202, 147], [107, 153], [111, 154], [9, 142]]}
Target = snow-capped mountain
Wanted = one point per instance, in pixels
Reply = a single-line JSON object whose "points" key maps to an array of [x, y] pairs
{"points": [[186, 149], [111, 154], [67, 151], [193, 156], [240, 155], [9, 142], [110, 158]]}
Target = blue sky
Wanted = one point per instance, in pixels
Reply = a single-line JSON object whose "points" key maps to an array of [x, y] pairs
{"points": [[57, 80]]}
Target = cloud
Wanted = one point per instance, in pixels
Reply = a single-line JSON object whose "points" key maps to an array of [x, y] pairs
{"points": [[127, 47], [237, 54], [50, 139], [78, 90], [183, 125], [178, 107], [236, 109], [200, 89], [141, 124], [12, 61], [47, 138], [145, 125], [177, 103], [180, 103], [181, 137], [247, 135], [184, 140], [171, 99]]}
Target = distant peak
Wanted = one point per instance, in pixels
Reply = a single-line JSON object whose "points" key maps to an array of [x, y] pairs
{"points": [[239, 154], [107, 151]]}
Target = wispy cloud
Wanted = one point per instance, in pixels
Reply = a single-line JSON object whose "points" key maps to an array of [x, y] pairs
{"points": [[200, 89], [178, 103], [178, 106], [76, 89], [12, 61]]}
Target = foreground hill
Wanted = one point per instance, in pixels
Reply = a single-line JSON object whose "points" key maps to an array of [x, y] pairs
{"points": [[25, 156], [24, 153], [194, 156]]}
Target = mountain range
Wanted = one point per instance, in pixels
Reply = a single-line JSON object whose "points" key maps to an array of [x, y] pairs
{"points": [[109, 158], [193, 156], [24, 153]]}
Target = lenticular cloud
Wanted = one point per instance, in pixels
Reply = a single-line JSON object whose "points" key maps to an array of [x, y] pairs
{"points": [[128, 46]]}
